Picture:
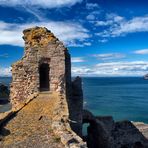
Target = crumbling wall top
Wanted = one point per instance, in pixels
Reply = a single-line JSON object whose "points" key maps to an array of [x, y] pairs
{"points": [[38, 37]]}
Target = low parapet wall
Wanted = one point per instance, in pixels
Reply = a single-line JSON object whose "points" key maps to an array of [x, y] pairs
{"points": [[61, 126]]}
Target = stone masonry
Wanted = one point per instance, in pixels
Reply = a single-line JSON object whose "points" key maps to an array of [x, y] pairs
{"points": [[46, 65], [42, 49]]}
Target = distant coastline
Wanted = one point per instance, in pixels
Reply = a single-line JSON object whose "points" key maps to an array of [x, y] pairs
{"points": [[146, 77]]}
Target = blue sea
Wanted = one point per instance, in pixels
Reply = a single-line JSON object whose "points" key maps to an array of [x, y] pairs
{"points": [[121, 97]]}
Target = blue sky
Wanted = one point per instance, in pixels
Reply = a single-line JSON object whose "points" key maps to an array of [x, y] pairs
{"points": [[104, 37]]}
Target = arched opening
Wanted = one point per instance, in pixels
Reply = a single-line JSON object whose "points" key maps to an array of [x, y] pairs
{"points": [[44, 77]]}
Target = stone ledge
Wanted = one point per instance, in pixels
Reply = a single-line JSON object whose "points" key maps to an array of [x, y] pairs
{"points": [[61, 127], [68, 137]]}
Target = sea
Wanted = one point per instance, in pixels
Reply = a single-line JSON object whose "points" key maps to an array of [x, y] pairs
{"points": [[124, 98]]}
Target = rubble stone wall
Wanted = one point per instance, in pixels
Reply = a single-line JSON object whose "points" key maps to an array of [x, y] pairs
{"points": [[41, 46], [76, 106], [104, 132]]}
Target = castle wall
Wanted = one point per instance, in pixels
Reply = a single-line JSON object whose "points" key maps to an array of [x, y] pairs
{"points": [[41, 46], [76, 106]]}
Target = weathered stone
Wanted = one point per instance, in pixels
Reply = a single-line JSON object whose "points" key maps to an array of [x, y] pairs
{"points": [[88, 116], [41, 48], [46, 66], [77, 87], [103, 132], [76, 106], [142, 127]]}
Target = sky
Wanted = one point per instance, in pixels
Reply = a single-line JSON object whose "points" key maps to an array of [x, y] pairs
{"points": [[104, 37]]}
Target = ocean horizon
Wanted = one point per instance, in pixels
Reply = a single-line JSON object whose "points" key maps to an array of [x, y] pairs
{"points": [[124, 98]]}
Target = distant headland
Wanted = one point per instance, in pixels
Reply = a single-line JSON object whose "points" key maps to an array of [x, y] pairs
{"points": [[146, 77]]}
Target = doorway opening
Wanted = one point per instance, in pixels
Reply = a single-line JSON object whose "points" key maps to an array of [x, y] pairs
{"points": [[44, 77]]}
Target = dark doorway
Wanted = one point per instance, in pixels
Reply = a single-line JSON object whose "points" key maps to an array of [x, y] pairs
{"points": [[44, 77]]}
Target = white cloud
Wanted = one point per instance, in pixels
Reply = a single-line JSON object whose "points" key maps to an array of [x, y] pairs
{"points": [[36, 13], [109, 56], [119, 26], [77, 59], [93, 12], [103, 40], [138, 24], [135, 68], [142, 51], [68, 32], [39, 3], [103, 23], [111, 19], [114, 17], [87, 44], [81, 71], [90, 17], [5, 71], [91, 5]]}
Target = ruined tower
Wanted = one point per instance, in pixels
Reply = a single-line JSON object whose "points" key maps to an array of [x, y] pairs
{"points": [[45, 66]]}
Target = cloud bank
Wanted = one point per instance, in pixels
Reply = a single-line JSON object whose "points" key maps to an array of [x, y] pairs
{"points": [[77, 59], [5, 71], [91, 6], [39, 3], [119, 26], [109, 56], [135, 68], [68, 32], [142, 51]]}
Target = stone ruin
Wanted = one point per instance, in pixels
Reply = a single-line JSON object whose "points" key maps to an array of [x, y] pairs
{"points": [[104, 132], [46, 66]]}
